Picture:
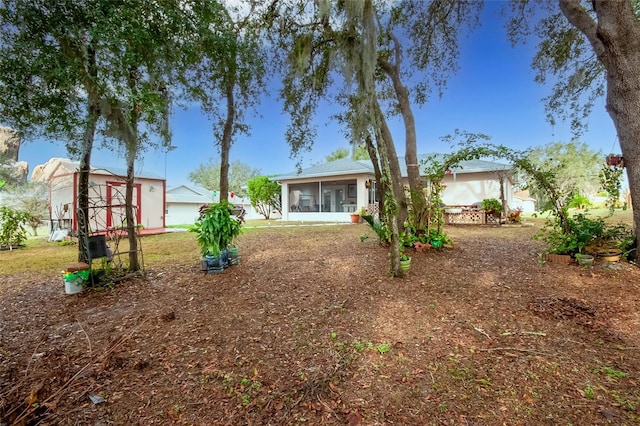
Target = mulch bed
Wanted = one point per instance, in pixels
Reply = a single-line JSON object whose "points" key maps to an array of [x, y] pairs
{"points": [[309, 328]]}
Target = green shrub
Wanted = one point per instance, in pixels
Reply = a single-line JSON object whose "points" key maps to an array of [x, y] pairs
{"points": [[491, 205], [12, 230], [579, 202], [216, 228]]}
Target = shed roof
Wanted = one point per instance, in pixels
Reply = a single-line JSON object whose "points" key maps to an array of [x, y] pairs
{"points": [[74, 166]]}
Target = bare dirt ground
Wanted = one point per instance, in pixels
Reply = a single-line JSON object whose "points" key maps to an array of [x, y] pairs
{"points": [[309, 329]]}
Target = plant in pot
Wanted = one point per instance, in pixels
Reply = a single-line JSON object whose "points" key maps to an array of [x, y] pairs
{"points": [[356, 216], [438, 239], [405, 262], [614, 160], [216, 229], [579, 233], [492, 206], [561, 245], [584, 259]]}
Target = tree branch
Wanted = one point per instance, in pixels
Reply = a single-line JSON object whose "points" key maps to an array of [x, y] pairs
{"points": [[579, 18]]}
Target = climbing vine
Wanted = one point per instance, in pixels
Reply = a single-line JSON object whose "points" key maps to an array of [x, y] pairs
{"points": [[610, 179]]}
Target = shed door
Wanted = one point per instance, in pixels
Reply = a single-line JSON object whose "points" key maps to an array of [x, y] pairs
{"points": [[116, 196]]}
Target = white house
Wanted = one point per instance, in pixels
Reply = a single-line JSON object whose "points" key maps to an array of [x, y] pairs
{"points": [[522, 200], [332, 190], [184, 202]]}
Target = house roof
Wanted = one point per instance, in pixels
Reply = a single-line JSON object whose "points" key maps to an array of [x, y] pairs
{"points": [[189, 195], [523, 195], [345, 166], [338, 167]]}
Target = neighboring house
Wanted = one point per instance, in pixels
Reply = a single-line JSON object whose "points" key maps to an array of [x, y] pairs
{"points": [[330, 191], [184, 202], [524, 201], [106, 196]]}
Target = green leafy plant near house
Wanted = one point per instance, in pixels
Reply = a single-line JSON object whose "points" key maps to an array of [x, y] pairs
{"points": [[12, 230], [492, 206], [216, 228], [380, 228]]}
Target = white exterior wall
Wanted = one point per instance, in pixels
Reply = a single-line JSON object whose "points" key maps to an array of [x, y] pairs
{"points": [[152, 203], [527, 206], [61, 194], [181, 213], [472, 188], [63, 191]]}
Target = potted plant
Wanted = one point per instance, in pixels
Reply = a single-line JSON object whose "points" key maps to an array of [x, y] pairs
{"points": [[561, 245], [492, 206], [614, 160], [584, 259], [405, 262], [357, 216], [215, 230], [610, 254], [437, 239], [581, 231]]}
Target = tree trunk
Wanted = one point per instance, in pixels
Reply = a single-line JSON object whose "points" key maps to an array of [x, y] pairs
{"points": [[394, 214], [93, 114], [225, 143], [394, 167], [416, 183], [615, 38], [134, 263]]}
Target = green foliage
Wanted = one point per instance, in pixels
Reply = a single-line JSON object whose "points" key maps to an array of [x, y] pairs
{"points": [[610, 180], [12, 231], [584, 231], [491, 205], [216, 228], [338, 154], [264, 194], [579, 202], [380, 228], [33, 199], [207, 175], [574, 167], [563, 54], [360, 153]]}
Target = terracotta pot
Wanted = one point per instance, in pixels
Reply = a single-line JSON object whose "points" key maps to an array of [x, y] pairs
{"points": [[355, 218], [558, 258]]}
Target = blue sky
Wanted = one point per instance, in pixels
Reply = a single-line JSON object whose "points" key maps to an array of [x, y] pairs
{"points": [[493, 93]]}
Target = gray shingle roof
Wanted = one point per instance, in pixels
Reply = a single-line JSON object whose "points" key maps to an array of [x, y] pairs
{"points": [[189, 195], [346, 166], [339, 167]]}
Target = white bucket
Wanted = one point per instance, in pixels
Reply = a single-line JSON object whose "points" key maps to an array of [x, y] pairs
{"points": [[74, 286]]}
